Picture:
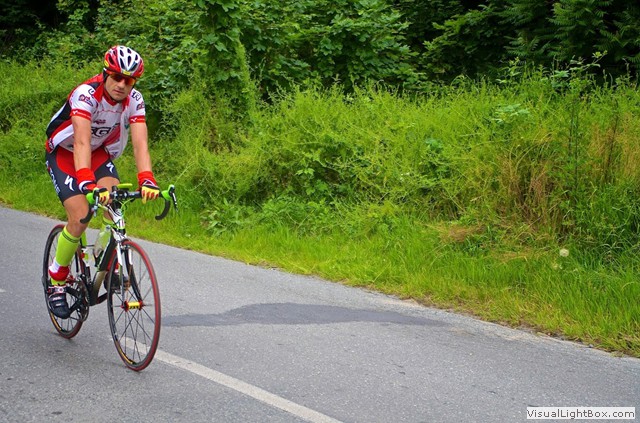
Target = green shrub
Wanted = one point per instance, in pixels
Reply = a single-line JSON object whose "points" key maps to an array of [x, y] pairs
{"points": [[460, 198]]}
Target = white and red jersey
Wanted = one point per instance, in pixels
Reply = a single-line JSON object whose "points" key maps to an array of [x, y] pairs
{"points": [[110, 120]]}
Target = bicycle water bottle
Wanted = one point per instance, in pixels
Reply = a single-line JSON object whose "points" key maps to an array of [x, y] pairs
{"points": [[85, 255], [98, 278], [101, 241]]}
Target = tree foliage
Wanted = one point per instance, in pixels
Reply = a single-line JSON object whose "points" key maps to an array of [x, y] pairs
{"points": [[325, 42], [234, 46], [470, 43], [588, 26], [533, 36], [22, 20]]}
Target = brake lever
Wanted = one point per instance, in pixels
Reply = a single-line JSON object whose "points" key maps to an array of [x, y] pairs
{"points": [[93, 207], [171, 193], [174, 199]]}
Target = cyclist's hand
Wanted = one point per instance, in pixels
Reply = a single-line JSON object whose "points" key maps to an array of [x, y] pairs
{"points": [[149, 192], [99, 193], [148, 186], [87, 183]]}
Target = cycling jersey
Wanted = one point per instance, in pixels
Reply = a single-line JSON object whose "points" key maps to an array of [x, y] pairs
{"points": [[110, 120]]}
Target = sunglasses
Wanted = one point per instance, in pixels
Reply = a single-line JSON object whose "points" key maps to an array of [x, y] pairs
{"points": [[130, 81]]}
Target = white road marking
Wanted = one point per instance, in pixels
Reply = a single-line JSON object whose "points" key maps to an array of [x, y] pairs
{"points": [[2, 290], [245, 388]]}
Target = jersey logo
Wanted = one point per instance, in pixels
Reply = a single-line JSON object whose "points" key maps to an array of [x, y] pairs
{"points": [[82, 113], [85, 99], [69, 182], [53, 178], [100, 132], [103, 131]]}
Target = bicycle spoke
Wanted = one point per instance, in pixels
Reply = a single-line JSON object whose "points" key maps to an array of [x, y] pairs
{"points": [[134, 308]]}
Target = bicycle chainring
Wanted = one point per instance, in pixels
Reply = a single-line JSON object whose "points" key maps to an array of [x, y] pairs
{"points": [[78, 290]]}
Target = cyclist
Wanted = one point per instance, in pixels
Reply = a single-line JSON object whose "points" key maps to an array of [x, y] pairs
{"points": [[89, 131]]}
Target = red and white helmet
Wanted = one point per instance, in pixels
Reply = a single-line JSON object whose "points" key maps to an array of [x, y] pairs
{"points": [[124, 60]]}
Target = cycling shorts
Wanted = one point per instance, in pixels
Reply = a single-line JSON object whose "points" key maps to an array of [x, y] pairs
{"points": [[62, 170]]}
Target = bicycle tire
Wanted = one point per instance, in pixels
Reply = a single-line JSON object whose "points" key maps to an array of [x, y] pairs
{"points": [[133, 304], [76, 290]]}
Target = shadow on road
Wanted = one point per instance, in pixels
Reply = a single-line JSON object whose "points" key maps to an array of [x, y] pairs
{"points": [[295, 314]]}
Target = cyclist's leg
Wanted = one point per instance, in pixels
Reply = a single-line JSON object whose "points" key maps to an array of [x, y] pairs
{"points": [[62, 171], [107, 176], [107, 219], [60, 167], [66, 326], [108, 182], [104, 169], [76, 208], [65, 252]]}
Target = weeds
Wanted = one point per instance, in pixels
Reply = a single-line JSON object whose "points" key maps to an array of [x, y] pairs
{"points": [[460, 199]]}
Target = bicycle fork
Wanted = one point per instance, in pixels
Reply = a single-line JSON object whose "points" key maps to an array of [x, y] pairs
{"points": [[126, 270]]}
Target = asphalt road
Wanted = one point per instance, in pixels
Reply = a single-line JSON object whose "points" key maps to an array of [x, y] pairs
{"points": [[246, 344]]}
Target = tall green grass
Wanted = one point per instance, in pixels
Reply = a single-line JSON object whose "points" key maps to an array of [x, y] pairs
{"points": [[461, 198]]}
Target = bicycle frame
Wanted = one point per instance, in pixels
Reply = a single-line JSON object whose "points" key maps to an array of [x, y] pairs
{"points": [[121, 196], [116, 237]]}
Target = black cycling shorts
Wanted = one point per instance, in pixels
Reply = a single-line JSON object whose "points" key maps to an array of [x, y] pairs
{"points": [[63, 173]]}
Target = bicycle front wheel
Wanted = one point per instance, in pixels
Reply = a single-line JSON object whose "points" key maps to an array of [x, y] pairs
{"points": [[133, 302], [76, 291]]}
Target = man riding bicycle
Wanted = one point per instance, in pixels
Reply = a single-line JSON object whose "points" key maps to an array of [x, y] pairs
{"points": [[83, 137]]}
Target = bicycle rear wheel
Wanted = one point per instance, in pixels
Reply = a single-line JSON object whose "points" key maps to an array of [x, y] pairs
{"points": [[76, 290], [133, 303]]}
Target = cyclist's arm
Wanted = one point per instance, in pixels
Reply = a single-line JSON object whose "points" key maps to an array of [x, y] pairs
{"points": [[81, 142], [139, 140]]}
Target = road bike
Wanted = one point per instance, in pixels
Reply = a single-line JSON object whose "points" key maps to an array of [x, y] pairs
{"points": [[125, 272]]}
